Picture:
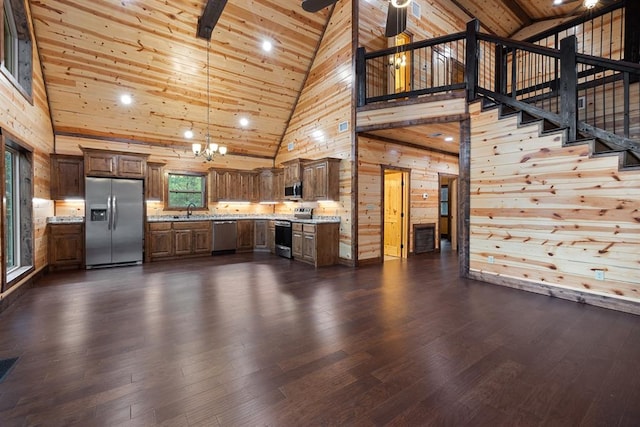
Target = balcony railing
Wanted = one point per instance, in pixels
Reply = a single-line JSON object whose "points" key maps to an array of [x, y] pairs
{"points": [[589, 95]]}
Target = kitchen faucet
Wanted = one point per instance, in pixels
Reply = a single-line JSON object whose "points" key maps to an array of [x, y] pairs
{"points": [[190, 207]]}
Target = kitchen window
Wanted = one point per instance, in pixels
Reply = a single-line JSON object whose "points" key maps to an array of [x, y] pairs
{"points": [[17, 55], [18, 199], [184, 189]]}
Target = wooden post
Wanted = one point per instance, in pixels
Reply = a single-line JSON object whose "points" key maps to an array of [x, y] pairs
{"points": [[569, 86], [464, 197], [631, 31], [361, 77], [500, 81], [471, 66]]}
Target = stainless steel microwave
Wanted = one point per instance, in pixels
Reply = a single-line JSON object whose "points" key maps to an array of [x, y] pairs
{"points": [[293, 191]]}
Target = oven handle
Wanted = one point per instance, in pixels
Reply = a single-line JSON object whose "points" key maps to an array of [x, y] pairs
{"points": [[283, 224]]}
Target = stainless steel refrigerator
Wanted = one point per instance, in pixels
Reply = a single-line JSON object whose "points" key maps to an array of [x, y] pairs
{"points": [[114, 222]]}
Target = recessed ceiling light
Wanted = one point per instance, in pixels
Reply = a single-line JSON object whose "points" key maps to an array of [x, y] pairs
{"points": [[449, 139], [267, 46], [244, 121], [188, 134], [126, 99], [557, 2]]}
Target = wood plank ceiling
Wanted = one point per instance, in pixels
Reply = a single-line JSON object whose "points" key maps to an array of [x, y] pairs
{"points": [[92, 52]]}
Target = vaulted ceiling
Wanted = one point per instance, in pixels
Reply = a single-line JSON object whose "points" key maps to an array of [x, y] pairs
{"points": [[92, 52]]}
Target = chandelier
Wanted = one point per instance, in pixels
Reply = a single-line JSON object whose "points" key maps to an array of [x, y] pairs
{"points": [[210, 149], [590, 4]]}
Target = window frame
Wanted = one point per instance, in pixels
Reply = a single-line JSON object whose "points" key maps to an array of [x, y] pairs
{"points": [[23, 175], [203, 192], [20, 73]]}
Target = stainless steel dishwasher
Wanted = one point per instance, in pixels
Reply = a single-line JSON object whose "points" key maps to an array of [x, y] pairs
{"points": [[224, 236]]}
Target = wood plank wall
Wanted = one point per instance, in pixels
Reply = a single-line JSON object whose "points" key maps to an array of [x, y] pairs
{"points": [[551, 215], [424, 165], [31, 124], [325, 102]]}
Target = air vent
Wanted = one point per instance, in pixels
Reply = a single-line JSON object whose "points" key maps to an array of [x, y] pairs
{"points": [[290, 146], [343, 126], [582, 103], [416, 10]]}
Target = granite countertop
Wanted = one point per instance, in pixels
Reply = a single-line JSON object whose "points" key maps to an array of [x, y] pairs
{"points": [[65, 220], [164, 218]]}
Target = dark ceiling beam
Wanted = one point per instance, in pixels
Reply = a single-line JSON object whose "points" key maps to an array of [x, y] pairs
{"points": [[521, 14], [470, 15], [207, 22]]}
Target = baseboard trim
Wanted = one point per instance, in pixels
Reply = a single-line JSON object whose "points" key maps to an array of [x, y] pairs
{"points": [[369, 261], [346, 262], [581, 297]]}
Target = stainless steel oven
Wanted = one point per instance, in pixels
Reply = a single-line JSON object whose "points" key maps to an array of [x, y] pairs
{"points": [[283, 239]]}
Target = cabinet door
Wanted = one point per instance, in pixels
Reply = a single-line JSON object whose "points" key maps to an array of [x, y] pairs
{"points": [[245, 186], [233, 189], [271, 236], [320, 181], [245, 236], [260, 234], [296, 244], [309, 184], [66, 246], [278, 185], [202, 241], [183, 242], [309, 246], [67, 177], [160, 243], [266, 186], [131, 166], [100, 164], [155, 181]]}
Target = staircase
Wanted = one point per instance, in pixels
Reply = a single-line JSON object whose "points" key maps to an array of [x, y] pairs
{"points": [[629, 156]]}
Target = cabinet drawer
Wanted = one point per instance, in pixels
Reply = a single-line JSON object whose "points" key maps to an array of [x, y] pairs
{"points": [[309, 228], [296, 226], [191, 225], [62, 229], [159, 226]]}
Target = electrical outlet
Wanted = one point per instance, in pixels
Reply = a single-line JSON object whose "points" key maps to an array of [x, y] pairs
{"points": [[491, 259], [599, 274]]}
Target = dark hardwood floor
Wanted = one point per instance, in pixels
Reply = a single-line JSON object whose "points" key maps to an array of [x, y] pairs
{"points": [[259, 340]]}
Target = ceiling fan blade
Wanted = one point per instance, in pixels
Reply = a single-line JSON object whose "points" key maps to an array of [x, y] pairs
{"points": [[316, 5], [396, 21]]}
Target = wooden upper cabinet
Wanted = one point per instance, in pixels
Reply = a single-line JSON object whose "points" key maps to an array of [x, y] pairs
{"points": [[114, 164], [233, 185], [278, 185], [293, 171], [155, 181], [321, 180], [271, 185], [67, 177]]}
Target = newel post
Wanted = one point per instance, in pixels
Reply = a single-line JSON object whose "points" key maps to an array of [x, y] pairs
{"points": [[471, 59], [361, 77], [569, 86]]}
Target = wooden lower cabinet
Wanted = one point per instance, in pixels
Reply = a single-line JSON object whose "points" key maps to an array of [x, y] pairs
{"points": [[66, 246], [245, 230], [296, 240], [178, 239], [271, 236], [316, 244], [260, 235]]}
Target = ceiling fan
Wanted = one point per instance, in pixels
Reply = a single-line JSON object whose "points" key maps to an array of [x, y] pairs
{"points": [[584, 6], [396, 15]]}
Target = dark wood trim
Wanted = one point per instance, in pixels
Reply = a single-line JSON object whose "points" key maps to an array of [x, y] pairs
{"points": [[632, 31], [464, 197], [3, 209], [17, 291], [471, 59], [406, 144], [346, 262], [413, 101], [147, 143], [370, 261], [558, 292], [569, 86], [406, 123]]}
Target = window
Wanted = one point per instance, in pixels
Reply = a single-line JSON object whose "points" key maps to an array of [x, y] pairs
{"points": [[16, 46], [18, 199], [444, 201], [186, 188]]}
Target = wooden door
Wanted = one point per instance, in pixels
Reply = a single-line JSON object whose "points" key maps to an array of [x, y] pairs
{"points": [[393, 204]]}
